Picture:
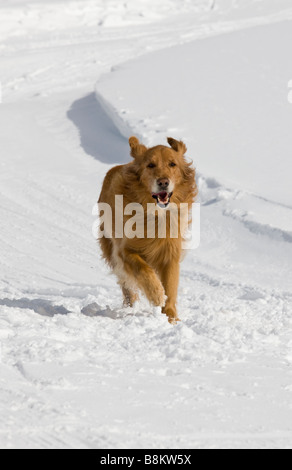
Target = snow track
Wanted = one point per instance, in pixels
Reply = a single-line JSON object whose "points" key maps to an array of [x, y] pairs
{"points": [[77, 369]]}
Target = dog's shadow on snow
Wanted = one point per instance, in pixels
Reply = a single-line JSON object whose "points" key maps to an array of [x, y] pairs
{"points": [[45, 308], [100, 137], [40, 306], [95, 310]]}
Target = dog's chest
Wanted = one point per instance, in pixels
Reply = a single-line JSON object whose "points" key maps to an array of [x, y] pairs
{"points": [[162, 251]]}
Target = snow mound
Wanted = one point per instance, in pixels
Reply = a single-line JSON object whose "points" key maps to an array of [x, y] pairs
{"points": [[200, 86]]}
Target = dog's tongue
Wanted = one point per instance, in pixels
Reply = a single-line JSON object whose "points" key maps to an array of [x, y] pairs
{"points": [[162, 195]]}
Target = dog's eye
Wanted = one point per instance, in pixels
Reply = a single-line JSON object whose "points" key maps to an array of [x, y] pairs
{"points": [[151, 165], [172, 164]]}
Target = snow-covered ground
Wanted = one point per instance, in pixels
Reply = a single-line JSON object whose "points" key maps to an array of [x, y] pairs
{"points": [[76, 369]]}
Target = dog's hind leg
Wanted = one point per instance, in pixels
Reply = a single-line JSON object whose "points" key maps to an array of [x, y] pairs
{"points": [[130, 296], [128, 283]]}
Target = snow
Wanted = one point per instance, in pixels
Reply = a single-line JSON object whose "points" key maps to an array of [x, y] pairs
{"points": [[77, 369], [218, 78]]}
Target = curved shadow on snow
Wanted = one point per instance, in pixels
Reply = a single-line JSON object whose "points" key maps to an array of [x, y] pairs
{"points": [[100, 136], [40, 306]]}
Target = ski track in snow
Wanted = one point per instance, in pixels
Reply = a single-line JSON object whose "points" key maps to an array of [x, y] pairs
{"points": [[77, 369]]}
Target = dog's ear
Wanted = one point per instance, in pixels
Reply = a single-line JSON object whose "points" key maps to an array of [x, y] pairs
{"points": [[177, 145], [137, 149]]}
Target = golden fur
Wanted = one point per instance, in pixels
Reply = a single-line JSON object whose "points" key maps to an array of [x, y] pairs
{"points": [[148, 264]]}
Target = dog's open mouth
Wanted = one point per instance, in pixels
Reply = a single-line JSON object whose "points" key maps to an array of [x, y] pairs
{"points": [[162, 198]]}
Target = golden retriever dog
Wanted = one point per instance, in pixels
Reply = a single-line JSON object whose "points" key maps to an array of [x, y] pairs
{"points": [[159, 177]]}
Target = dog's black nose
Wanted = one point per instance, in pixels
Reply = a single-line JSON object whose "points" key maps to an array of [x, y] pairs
{"points": [[163, 183]]}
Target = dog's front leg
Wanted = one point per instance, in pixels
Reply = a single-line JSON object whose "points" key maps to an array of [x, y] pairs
{"points": [[170, 281], [145, 277]]}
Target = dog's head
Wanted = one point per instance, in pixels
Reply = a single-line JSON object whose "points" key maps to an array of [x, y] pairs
{"points": [[163, 172]]}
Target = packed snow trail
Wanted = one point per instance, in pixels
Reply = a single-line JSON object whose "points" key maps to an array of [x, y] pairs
{"points": [[70, 354]]}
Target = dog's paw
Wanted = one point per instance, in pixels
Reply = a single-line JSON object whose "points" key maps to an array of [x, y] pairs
{"points": [[173, 321], [172, 315]]}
